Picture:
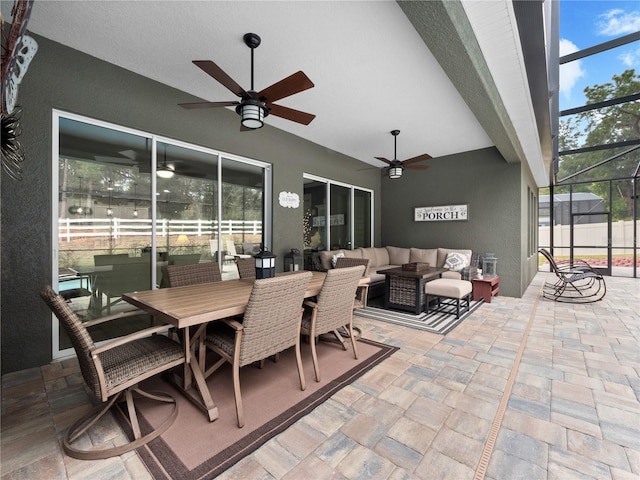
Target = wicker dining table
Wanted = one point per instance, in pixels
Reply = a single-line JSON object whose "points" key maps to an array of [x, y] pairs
{"points": [[195, 306]]}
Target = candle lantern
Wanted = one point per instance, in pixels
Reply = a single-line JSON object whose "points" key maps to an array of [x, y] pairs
{"points": [[265, 263], [293, 261], [489, 265]]}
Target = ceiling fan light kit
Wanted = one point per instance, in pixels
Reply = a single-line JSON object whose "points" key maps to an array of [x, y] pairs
{"points": [[396, 167], [252, 113], [395, 172], [255, 106]]}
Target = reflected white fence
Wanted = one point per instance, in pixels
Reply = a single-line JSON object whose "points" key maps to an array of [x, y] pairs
{"points": [[112, 227], [591, 234]]}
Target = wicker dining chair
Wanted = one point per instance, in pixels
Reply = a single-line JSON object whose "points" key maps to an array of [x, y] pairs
{"points": [[112, 372], [190, 274], [246, 267], [363, 290], [333, 309], [271, 324]]}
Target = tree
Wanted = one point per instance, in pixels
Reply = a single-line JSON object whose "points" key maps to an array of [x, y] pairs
{"points": [[616, 123]]}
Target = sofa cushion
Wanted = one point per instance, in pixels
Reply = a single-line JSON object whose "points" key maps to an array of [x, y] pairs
{"points": [[326, 256], [443, 252], [357, 253], [424, 255], [334, 258], [370, 254], [456, 261], [382, 256], [398, 255]]}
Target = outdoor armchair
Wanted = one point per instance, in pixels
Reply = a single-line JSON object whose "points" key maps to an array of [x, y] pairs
{"points": [[333, 309], [270, 325], [190, 274], [112, 372], [362, 290], [246, 267]]}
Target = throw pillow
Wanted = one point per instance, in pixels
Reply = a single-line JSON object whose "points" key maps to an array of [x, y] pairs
{"points": [[456, 261], [335, 258]]}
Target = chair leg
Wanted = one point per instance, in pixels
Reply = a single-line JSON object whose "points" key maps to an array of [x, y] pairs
{"points": [[303, 383], [236, 394], [88, 420], [353, 341]]}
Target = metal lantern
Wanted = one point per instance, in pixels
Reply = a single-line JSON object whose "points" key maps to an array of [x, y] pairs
{"points": [[489, 265], [265, 264], [293, 261]]}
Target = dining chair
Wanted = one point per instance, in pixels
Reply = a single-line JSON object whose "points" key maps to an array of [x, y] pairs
{"points": [[333, 309], [246, 267], [270, 325], [190, 274], [112, 372], [363, 290]]}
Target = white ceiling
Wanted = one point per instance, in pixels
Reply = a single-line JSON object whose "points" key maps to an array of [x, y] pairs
{"points": [[372, 71]]}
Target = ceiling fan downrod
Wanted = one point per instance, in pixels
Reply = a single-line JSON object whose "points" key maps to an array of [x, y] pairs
{"points": [[252, 40]]}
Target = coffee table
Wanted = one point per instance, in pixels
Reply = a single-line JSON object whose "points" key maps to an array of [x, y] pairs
{"points": [[404, 289]]}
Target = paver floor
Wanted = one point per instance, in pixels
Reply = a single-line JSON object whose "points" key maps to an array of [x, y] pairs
{"points": [[523, 388]]}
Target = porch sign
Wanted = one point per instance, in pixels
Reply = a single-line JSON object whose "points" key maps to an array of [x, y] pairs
{"points": [[440, 214]]}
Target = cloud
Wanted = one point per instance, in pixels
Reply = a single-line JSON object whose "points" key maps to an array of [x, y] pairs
{"points": [[631, 58], [570, 72], [617, 22]]}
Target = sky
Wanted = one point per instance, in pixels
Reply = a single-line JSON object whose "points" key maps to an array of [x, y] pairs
{"points": [[585, 23]]}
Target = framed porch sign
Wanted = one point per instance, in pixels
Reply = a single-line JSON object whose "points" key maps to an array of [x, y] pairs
{"points": [[441, 213]]}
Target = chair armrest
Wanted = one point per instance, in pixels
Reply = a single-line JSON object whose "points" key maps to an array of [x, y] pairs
{"points": [[237, 326], [310, 303], [115, 316], [130, 338]]}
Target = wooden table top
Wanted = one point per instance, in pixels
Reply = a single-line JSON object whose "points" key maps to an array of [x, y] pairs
{"points": [[197, 304]]}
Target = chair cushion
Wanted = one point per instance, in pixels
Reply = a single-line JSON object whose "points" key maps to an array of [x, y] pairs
{"points": [[133, 360], [445, 287]]}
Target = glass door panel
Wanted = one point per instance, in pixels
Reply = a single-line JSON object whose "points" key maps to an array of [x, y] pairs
{"points": [[186, 206], [361, 219], [340, 217], [242, 213], [104, 222]]}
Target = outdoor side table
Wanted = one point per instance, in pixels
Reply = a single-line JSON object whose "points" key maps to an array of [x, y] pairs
{"points": [[485, 288]]}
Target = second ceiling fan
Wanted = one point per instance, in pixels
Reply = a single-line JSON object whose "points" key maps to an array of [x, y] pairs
{"points": [[254, 106], [396, 167]]}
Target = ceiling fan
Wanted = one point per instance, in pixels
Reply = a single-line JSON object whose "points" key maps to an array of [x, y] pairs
{"points": [[254, 106], [396, 167]]}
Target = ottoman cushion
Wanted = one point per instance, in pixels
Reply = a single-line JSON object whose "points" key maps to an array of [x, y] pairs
{"points": [[447, 287]]}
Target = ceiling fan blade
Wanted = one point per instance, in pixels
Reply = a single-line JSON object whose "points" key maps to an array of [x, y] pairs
{"points": [[190, 106], [416, 167], [419, 158], [291, 114], [383, 160], [220, 75], [295, 83]]}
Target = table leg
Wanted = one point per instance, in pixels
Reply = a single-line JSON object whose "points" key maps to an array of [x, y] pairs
{"points": [[200, 395]]}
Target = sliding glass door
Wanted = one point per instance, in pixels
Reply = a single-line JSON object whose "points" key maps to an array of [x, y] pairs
{"points": [[129, 203], [336, 216]]}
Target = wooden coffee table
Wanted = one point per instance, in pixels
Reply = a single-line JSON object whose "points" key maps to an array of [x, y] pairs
{"points": [[404, 290]]}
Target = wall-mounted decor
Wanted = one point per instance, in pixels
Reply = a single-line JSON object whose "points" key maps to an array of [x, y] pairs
{"points": [[289, 199], [441, 214], [334, 220]]}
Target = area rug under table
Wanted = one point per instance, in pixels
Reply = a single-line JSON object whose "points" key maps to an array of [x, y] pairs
{"points": [[440, 321], [194, 448]]}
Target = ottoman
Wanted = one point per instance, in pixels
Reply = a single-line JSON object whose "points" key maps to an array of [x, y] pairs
{"points": [[448, 288]]}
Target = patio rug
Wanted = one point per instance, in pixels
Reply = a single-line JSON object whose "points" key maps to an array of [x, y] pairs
{"points": [[441, 321], [194, 448]]}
